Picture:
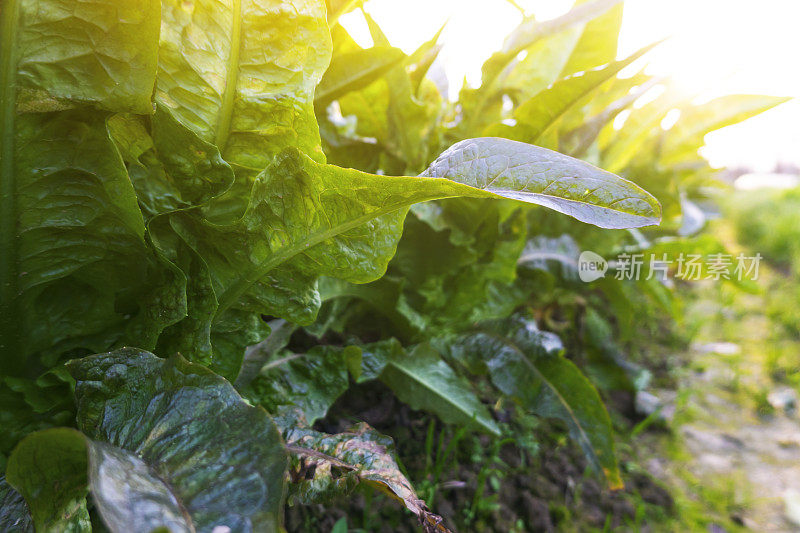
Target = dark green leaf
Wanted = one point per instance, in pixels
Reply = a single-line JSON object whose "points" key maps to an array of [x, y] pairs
{"points": [[422, 380], [175, 426], [85, 277], [49, 468], [259, 354], [525, 364], [131, 497], [15, 517], [310, 381], [375, 356]]}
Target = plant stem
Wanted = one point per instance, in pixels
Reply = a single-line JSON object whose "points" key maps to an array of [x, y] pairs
{"points": [[8, 216], [231, 80]]}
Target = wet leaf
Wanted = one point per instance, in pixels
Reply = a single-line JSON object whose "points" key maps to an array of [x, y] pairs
{"points": [[526, 365], [14, 513], [532, 174], [323, 464], [174, 444]]}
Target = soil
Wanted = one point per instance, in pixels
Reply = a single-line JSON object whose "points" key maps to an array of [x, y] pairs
{"points": [[546, 491]]}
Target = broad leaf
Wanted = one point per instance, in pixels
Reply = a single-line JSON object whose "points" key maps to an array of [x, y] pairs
{"points": [[369, 106], [525, 172], [14, 513], [423, 58], [325, 464], [130, 497], [526, 365], [540, 67], [478, 104], [55, 468], [374, 358], [530, 31], [177, 440], [268, 261], [574, 49], [260, 354], [353, 70], [384, 296], [619, 147], [461, 272], [686, 137], [536, 116], [83, 275], [57, 57], [170, 166], [422, 380], [597, 44], [620, 95], [49, 468], [102, 52], [606, 364], [311, 381], [558, 255], [30, 405], [245, 78]]}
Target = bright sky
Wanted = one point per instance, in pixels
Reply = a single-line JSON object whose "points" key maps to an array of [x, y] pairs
{"points": [[716, 47]]}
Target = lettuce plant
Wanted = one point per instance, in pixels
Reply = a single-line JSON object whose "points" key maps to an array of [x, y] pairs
{"points": [[465, 268], [164, 185]]}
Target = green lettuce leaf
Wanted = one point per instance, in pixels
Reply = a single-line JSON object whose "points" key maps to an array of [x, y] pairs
{"points": [[538, 115], [483, 106], [178, 227], [532, 174], [530, 31], [82, 273], [597, 44], [557, 255], [70, 229], [365, 213], [421, 379], [49, 468], [526, 364], [102, 52], [173, 443], [260, 354], [14, 513], [242, 73], [353, 70], [311, 381]]}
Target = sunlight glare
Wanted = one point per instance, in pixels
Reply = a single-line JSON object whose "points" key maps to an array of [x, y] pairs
{"points": [[722, 47]]}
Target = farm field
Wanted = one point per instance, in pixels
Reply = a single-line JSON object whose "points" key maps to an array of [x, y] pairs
{"points": [[265, 267]]}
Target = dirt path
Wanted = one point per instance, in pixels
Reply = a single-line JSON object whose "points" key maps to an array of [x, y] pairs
{"points": [[735, 411]]}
